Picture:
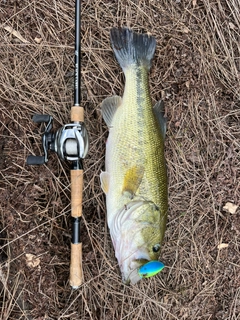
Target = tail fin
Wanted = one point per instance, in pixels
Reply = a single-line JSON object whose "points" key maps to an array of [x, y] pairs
{"points": [[132, 48]]}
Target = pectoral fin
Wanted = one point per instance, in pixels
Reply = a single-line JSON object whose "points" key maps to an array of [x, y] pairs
{"points": [[109, 107], [132, 180], [158, 110], [104, 178]]}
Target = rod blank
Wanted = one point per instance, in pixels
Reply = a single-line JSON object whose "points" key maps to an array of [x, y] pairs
{"points": [[77, 78]]}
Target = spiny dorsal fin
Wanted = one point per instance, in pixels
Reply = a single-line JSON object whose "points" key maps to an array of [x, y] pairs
{"points": [[109, 107], [158, 110], [104, 178]]}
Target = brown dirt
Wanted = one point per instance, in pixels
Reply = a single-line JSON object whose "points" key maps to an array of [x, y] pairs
{"points": [[196, 71]]}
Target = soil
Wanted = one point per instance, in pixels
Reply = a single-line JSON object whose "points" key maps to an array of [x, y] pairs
{"points": [[196, 72]]}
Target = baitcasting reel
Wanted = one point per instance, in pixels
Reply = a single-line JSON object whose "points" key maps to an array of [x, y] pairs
{"points": [[70, 142]]}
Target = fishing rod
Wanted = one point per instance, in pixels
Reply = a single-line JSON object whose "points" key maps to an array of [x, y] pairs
{"points": [[71, 144]]}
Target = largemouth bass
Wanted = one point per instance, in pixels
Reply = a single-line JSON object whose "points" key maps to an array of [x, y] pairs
{"points": [[135, 180]]}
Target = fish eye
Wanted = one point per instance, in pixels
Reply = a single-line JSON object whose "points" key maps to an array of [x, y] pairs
{"points": [[156, 248]]}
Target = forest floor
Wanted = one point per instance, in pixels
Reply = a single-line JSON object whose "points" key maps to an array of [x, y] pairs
{"points": [[196, 71]]}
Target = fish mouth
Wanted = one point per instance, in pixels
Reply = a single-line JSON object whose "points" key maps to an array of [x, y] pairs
{"points": [[131, 275], [132, 278], [147, 269], [142, 261]]}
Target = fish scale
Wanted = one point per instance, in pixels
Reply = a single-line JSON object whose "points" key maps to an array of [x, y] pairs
{"points": [[136, 127], [135, 165]]}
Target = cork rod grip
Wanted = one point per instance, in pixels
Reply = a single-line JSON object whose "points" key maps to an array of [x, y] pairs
{"points": [[76, 273], [77, 114], [76, 192]]}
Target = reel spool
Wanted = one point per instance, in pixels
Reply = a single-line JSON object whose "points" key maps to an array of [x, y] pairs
{"points": [[71, 142]]}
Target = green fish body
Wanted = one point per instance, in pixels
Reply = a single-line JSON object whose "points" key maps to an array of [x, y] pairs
{"points": [[135, 180]]}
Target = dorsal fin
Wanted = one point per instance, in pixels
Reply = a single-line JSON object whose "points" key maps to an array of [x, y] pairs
{"points": [[158, 110], [109, 107]]}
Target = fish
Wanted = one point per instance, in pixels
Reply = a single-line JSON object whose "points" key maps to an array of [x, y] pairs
{"points": [[135, 176]]}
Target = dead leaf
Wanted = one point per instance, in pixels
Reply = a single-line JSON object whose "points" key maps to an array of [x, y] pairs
{"points": [[15, 33], [187, 83], [36, 187], [231, 26], [38, 40], [222, 246], [230, 207], [177, 124], [186, 30], [32, 261]]}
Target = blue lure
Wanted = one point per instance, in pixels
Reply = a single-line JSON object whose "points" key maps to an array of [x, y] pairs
{"points": [[150, 268]]}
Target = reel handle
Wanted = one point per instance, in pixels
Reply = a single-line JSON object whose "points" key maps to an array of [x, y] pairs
{"points": [[35, 160]]}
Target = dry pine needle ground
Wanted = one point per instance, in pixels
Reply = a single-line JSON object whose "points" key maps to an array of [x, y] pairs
{"points": [[196, 71]]}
